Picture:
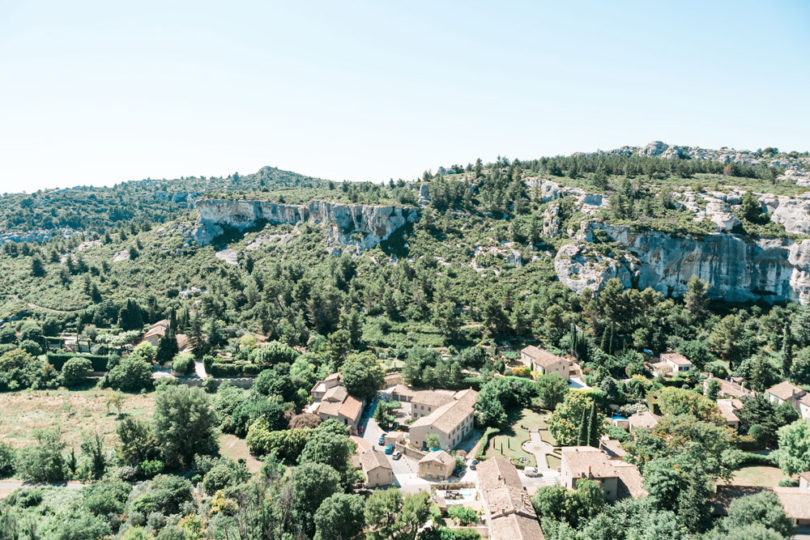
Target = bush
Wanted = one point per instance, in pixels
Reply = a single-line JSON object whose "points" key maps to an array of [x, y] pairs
{"points": [[6, 460], [166, 494], [131, 375], [107, 497], [183, 364], [76, 371], [58, 360], [25, 497], [463, 514], [224, 474], [482, 447]]}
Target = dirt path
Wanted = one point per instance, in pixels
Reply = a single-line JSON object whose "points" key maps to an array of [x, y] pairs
{"points": [[10, 485], [43, 308]]}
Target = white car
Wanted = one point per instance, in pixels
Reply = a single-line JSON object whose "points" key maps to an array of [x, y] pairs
{"points": [[532, 472]]}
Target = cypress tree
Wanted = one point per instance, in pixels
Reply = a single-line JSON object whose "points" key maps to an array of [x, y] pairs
{"points": [[787, 351], [582, 440], [592, 431]]}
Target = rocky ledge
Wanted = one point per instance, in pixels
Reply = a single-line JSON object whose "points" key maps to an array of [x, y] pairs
{"points": [[359, 225], [739, 269]]}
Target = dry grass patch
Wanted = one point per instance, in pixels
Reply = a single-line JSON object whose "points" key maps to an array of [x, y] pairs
{"points": [[74, 412], [757, 476]]}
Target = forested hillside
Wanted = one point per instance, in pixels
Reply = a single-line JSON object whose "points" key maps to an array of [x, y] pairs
{"points": [[608, 259]]}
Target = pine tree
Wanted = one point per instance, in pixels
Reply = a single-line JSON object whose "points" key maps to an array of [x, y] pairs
{"points": [[692, 508]]}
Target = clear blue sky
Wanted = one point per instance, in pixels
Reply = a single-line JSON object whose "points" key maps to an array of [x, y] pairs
{"points": [[101, 92]]}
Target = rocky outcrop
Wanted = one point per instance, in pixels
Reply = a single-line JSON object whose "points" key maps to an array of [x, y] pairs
{"points": [[738, 269], [359, 225]]}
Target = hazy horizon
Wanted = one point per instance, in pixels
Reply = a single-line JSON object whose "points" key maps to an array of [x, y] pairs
{"points": [[98, 94]]}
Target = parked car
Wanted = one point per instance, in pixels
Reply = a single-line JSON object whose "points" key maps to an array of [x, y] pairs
{"points": [[389, 449], [397, 455], [532, 472], [360, 429], [473, 464], [381, 442]]}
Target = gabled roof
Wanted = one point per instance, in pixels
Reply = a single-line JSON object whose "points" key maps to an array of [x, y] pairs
{"points": [[727, 408], [643, 419], [336, 393], [587, 462], [351, 408], [675, 358], [542, 357], [438, 456], [511, 514], [157, 329], [784, 390], [431, 398], [447, 417], [371, 460]]}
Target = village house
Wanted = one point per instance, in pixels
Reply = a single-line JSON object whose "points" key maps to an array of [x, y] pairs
{"points": [[784, 392], [795, 500], [158, 330], [333, 402], [424, 402], [670, 364], [509, 511], [544, 362], [451, 422], [732, 387], [618, 479], [436, 465], [376, 468], [727, 407], [642, 419]]}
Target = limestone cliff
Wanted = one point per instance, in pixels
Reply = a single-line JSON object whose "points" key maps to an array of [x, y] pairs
{"points": [[737, 268], [359, 225]]}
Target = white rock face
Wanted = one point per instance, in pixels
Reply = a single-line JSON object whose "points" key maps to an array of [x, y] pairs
{"points": [[791, 212], [348, 224], [738, 270], [579, 267]]}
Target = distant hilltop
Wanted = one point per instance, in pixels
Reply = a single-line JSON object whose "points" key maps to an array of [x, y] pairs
{"points": [[768, 156]]}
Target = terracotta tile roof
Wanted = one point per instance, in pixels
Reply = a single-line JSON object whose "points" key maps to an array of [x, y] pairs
{"points": [[511, 514], [351, 408], [439, 456], [371, 460], [795, 501], [592, 463], [731, 388], [157, 329], [587, 462], [515, 527], [630, 479], [431, 398], [643, 419], [402, 390], [182, 341], [336, 393], [450, 415], [361, 444], [613, 447], [784, 390], [727, 408], [542, 357], [675, 358], [329, 408]]}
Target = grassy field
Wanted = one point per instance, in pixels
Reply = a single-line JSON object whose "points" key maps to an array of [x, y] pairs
{"points": [[75, 412], [553, 461], [231, 446], [757, 476]]}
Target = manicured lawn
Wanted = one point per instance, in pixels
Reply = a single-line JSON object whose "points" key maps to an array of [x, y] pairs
{"points": [[508, 443], [757, 476], [553, 461], [75, 412]]}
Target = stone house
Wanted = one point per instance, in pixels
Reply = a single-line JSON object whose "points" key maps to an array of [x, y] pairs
{"points": [[436, 465], [451, 422], [544, 362]]}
